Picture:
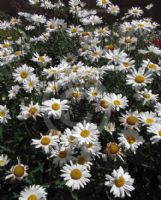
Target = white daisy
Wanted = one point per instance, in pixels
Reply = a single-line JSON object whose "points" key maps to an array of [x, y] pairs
{"points": [[18, 171], [41, 59], [46, 142], [156, 130], [138, 78], [118, 101], [130, 139], [120, 182], [85, 132], [22, 73], [55, 107], [103, 3], [4, 114], [3, 160], [130, 119], [32, 110], [33, 192], [148, 118], [76, 176]]}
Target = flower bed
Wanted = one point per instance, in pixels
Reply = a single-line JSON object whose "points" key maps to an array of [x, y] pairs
{"points": [[80, 107]]}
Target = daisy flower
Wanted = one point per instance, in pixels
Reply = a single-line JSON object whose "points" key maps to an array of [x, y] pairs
{"points": [[114, 150], [92, 93], [113, 9], [120, 182], [130, 119], [103, 3], [135, 12], [118, 102], [110, 127], [55, 107], [138, 78], [115, 56], [41, 59], [67, 139], [32, 110], [152, 67], [126, 64], [147, 96], [46, 142], [156, 130], [148, 118], [61, 156], [3, 160], [13, 92], [18, 171], [4, 114], [22, 73], [31, 83], [130, 139], [76, 176], [85, 132], [103, 103], [92, 148], [33, 192]]}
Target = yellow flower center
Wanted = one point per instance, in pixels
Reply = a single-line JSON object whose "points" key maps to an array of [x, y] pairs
{"points": [[131, 139], [33, 110], [75, 69], [2, 113], [101, 30], [125, 64], [2, 162], [131, 120], [128, 28], [53, 88], [147, 96], [76, 174], [135, 11], [5, 45], [149, 121], [152, 66], [119, 182], [32, 197], [139, 79], [113, 148], [45, 140], [75, 94], [53, 71], [55, 106], [85, 133], [117, 102], [17, 53], [85, 33], [140, 25], [19, 170], [160, 133], [71, 139], [104, 104], [128, 40], [41, 58], [81, 160], [94, 94], [110, 46], [104, 1], [74, 30], [69, 59], [62, 154], [24, 74], [90, 145]]}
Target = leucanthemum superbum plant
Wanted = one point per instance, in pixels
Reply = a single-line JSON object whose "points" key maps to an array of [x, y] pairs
{"points": [[80, 107]]}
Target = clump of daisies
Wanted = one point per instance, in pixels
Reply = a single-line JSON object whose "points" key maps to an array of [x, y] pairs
{"points": [[80, 101]]}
